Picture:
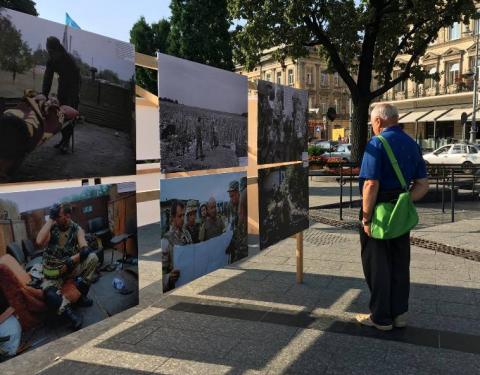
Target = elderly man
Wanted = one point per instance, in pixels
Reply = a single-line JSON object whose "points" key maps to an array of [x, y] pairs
{"points": [[386, 263], [214, 225], [67, 255], [177, 235]]}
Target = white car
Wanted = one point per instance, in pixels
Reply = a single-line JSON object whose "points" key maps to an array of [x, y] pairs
{"points": [[343, 151], [464, 155]]}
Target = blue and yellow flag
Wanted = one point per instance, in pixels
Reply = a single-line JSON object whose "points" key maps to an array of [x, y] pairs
{"points": [[70, 22]]}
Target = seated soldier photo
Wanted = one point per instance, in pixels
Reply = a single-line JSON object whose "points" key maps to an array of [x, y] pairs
{"points": [[67, 256]]}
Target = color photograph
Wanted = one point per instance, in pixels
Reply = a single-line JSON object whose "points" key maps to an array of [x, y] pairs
{"points": [[68, 259], [283, 198], [204, 225], [67, 102], [203, 116], [282, 123]]}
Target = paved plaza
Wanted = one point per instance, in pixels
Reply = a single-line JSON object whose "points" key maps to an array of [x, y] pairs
{"points": [[252, 317]]}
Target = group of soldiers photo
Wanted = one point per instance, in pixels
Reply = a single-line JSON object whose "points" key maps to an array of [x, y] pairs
{"points": [[188, 222], [282, 119], [194, 138]]}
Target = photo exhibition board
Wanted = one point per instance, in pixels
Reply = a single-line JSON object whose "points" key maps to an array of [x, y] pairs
{"points": [[203, 225], [203, 116], [282, 123], [283, 201], [67, 102], [68, 257]]}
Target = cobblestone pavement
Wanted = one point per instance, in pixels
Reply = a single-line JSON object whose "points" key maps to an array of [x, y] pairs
{"points": [[252, 318]]}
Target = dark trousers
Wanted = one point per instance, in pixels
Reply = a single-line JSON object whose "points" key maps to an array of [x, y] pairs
{"points": [[386, 265]]}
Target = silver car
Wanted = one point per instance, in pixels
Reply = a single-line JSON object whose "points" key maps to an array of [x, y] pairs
{"points": [[343, 151]]}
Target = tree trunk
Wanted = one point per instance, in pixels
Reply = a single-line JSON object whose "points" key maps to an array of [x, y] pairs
{"points": [[359, 130]]}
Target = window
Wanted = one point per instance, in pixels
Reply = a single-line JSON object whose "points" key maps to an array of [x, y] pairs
{"points": [[279, 78], [290, 76], [442, 150], [309, 78], [336, 80], [336, 106], [399, 87], [454, 31], [453, 70], [324, 108], [472, 150], [476, 27], [430, 82], [324, 79], [87, 209], [268, 77]]}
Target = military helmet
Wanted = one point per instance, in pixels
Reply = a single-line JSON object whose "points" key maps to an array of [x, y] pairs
{"points": [[233, 186], [192, 205]]}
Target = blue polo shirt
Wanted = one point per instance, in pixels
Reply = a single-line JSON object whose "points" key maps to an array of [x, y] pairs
{"points": [[377, 166]]}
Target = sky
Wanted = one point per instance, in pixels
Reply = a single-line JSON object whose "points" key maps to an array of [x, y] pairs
{"points": [[188, 82], [94, 49], [200, 187], [32, 200], [112, 18]]}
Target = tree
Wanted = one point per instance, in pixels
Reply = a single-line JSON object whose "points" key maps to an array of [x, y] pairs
{"points": [[40, 56], [149, 39], [25, 6], [200, 32], [16, 56], [361, 40]]}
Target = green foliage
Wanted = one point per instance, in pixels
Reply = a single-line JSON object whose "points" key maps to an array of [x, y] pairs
{"points": [[16, 56], [315, 150], [40, 56], [149, 39], [362, 41], [25, 6], [110, 76], [200, 32], [87, 193]]}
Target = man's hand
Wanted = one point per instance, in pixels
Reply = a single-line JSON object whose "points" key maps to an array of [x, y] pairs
{"points": [[174, 275], [55, 211], [367, 229], [84, 253]]}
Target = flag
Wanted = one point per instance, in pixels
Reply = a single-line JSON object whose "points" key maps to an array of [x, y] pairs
{"points": [[70, 22]]}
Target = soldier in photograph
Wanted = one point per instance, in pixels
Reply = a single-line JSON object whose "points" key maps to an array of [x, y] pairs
{"points": [[177, 235], [191, 225], [69, 81], [66, 256], [214, 225], [198, 138], [238, 247]]}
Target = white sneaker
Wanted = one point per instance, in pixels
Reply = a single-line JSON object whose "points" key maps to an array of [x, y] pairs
{"points": [[366, 320], [400, 321]]}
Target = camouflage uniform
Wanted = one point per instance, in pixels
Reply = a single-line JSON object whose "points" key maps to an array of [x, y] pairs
{"points": [[172, 237], [238, 247], [194, 230], [212, 229], [63, 245]]}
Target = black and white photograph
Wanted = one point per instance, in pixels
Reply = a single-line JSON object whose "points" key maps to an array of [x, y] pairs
{"points": [[282, 123], [204, 225], [67, 102], [68, 259], [283, 200], [203, 116]]}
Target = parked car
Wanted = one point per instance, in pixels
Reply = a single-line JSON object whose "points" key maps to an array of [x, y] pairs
{"points": [[327, 145], [462, 154], [343, 151]]}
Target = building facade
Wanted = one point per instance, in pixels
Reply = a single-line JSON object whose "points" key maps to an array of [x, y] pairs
{"points": [[431, 112], [325, 90]]}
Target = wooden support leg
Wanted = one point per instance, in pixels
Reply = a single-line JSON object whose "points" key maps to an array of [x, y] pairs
{"points": [[299, 255]]}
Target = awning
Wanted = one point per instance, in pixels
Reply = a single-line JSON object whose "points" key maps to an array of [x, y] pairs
{"points": [[455, 114], [476, 117], [432, 116], [414, 116]]}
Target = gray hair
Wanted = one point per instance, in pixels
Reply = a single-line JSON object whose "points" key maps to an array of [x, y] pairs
{"points": [[385, 111]]}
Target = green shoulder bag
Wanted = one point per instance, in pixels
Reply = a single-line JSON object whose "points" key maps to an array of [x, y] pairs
{"points": [[391, 220]]}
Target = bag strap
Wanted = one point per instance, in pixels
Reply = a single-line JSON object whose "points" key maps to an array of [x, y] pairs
{"points": [[393, 161]]}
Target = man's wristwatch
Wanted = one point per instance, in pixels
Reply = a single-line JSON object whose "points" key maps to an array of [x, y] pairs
{"points": [[366, 222]]}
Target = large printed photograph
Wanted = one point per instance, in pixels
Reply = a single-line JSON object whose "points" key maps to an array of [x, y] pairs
{"points": [[282, 123], [68, 259], [203, 116], [204, 225], [283, 198], [67, 102]]}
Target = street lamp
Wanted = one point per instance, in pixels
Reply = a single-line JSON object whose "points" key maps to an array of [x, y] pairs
{"points": [[473, 128]]}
